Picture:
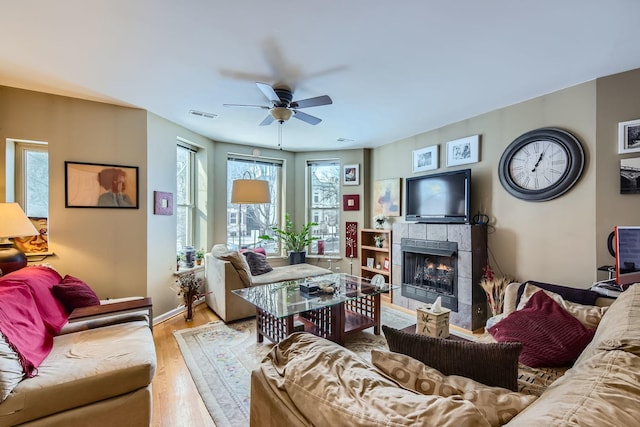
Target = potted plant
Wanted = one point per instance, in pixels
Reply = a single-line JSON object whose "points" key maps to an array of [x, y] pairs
{"points": [[295, 242], [199, 256]]}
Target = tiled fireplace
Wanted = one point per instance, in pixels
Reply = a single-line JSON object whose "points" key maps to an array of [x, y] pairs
{"points": [[446, 260]]}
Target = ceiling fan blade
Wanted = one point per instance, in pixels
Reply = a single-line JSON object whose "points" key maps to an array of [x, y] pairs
{"points": [[312, 102], [267, 120], [306, 117], [268, 92], [264, 107]]}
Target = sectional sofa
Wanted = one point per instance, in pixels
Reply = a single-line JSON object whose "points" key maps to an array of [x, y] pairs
{"points": [[93, 372], [306, 381]]}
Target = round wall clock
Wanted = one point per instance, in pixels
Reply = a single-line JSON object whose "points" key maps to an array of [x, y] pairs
{"points": [[541, 164]]}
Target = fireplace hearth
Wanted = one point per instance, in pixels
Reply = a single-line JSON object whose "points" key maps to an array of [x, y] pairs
{"points": [[441, 260]]}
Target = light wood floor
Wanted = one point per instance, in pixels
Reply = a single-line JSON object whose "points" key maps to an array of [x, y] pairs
{"points": [[176, 401]]}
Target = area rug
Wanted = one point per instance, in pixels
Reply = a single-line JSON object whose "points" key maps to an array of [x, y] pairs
{"points": [[221, 357]]}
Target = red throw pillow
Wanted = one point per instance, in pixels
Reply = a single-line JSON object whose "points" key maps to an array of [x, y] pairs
{"points": [[74, 293], [550, 336]]}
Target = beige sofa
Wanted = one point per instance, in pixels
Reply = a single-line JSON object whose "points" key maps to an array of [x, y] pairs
{"points": [[309, 381], [226, 271], [97, 373]]}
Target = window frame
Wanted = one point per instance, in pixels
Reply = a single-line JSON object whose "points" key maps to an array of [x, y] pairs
{"points": [[191, 206], [275, 207], [312, 209]]}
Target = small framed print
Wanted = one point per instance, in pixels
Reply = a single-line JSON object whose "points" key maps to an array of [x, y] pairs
{"points": [[351, 202], [629, 137], [351, 175], [162, 203], [385, 264], [464, 150], [370, 262], [425, 159]]}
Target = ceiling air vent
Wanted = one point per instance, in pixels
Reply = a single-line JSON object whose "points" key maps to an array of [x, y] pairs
{"points": [[202, 114]]}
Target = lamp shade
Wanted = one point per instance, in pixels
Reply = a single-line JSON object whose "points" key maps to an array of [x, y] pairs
{"points": [[14, 222], [250, 191]]}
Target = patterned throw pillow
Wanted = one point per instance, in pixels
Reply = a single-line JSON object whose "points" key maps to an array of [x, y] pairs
{"points": [[588, 315], [498, 405], [491, 364], [549, 334], [238, 262], [258, 263]]}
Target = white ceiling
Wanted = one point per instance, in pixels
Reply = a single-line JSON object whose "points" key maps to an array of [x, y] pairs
{"points": [[393, 69]]}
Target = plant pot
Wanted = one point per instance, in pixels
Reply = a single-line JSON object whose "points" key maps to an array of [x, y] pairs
{"points": [[297, 257], [198, 261]]}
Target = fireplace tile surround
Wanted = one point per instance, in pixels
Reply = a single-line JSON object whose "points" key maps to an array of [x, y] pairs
{"points": [[471, 242]]}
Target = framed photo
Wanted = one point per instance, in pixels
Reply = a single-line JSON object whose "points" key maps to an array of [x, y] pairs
{"points": [[351, 202], [162, 203], [351, 175], [629, 169], [97, 185], [386, 197], [385, 264], [370, 262], [629, 137], [425, 159], [464, 150]]}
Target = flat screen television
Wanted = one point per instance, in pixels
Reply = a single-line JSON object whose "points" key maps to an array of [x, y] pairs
{"points": [[627, 240], [439, 198]]}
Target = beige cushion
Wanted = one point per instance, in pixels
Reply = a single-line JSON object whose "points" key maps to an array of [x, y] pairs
{"points": [[10, 369], [332, 386], [602, 391], [236, 259], [588, 315], [83, 368], [498, 405], [619, 329]]}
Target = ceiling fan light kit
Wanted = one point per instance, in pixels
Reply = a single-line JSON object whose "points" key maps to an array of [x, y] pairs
{"points": [[282, 107]]}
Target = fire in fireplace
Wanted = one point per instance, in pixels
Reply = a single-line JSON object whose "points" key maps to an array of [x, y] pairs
{"points": [[429, 271]]}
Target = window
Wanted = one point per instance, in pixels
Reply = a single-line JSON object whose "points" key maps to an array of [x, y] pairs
{"points": [[32, 191], [246, 222], [324, 205], [185, 196]]}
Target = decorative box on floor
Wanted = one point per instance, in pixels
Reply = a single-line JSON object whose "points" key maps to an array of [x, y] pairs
{"points": [[433, 323]]}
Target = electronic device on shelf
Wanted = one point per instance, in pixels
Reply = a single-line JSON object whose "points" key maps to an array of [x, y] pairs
{"points": [[627, 249], [439, 198]]}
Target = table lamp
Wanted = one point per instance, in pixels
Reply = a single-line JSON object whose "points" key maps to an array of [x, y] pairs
{"points": [[248, 192], [13, 223]]}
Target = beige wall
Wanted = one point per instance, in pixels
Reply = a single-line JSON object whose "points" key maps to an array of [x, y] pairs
{"points": [[161, 229], [106, 248], [618, 99], [562, 240]]}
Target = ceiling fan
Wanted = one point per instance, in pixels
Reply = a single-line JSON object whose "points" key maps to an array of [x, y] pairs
{"points": [[282, 107]]}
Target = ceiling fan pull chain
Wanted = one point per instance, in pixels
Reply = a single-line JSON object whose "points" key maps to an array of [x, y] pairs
{"points": [[280, 136]]}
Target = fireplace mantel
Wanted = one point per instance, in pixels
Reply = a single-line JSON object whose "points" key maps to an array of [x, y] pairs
{"points": [[471, 243]]}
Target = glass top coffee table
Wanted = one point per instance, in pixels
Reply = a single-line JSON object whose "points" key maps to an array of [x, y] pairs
{"points": [[283, 308]]}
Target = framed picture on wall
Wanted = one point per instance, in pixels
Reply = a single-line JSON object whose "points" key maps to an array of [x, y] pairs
{"points": [[629, 137], [425, 159], [97, 185], [351, 175], [628, 175], [351, 202], [464, 150]]}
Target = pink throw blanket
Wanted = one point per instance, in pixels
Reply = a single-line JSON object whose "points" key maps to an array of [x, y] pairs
{"points": [[23, 328], [30, 315]]}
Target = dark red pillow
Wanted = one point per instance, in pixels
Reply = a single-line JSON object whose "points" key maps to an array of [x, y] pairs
{"points": [[258, 263], [74, 293], [550, 336]]}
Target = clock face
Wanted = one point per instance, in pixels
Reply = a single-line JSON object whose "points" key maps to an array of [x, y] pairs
{"points": [[538, 165], [541, 164]]}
